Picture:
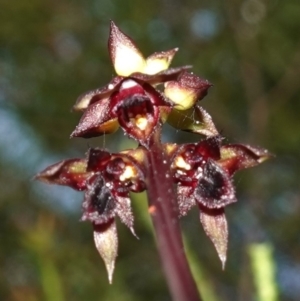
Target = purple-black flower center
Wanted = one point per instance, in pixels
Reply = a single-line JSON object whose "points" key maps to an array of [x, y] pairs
{"points": [[134, 111], [211, 184], [101, 197], [214, 188]]}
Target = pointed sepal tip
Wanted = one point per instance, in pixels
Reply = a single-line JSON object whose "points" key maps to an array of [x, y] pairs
{"points": [[106, 242]]}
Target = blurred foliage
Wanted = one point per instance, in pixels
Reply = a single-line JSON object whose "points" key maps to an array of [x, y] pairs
{"points": [[52, 51], [264, 270]]}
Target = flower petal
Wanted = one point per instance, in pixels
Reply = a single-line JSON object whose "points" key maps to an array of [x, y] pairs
{"points": [[96, 121], [215, 226], [106, 242], [185, 199], [238, 156], [188, 156], [159, 61], [72, 173], [195, 120], [209, 148], [124, 54], [97, 159], [125, 171], [123, 210], [188, 89]]}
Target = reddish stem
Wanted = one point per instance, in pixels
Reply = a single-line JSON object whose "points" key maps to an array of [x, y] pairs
{"points": [[164, 213]]}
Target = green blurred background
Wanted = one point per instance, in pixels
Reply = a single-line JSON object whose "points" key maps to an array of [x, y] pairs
{"points": [[52, 51]]}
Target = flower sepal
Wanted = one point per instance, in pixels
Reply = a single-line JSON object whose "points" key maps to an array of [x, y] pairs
{"points": [[128, 59], [186, 90], [240, 156], [71, 172], [194, 120], [106, 242], [215, 226]]}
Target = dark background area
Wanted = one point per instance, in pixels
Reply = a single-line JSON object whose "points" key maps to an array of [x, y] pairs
{"points": [[53, 51]]}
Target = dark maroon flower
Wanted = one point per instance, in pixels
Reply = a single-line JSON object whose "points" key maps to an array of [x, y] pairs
{"points": [[107, 180], [135, 105], [130, 100], [203, 173]]}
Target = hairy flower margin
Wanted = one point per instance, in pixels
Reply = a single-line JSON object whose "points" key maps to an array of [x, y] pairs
{"points": [[144, 95]]}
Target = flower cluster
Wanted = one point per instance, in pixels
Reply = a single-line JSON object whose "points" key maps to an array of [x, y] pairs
{"points": [[144, 95]]}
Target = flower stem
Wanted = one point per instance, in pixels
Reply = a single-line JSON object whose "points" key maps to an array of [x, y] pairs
{"points": [[164, 213]]}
